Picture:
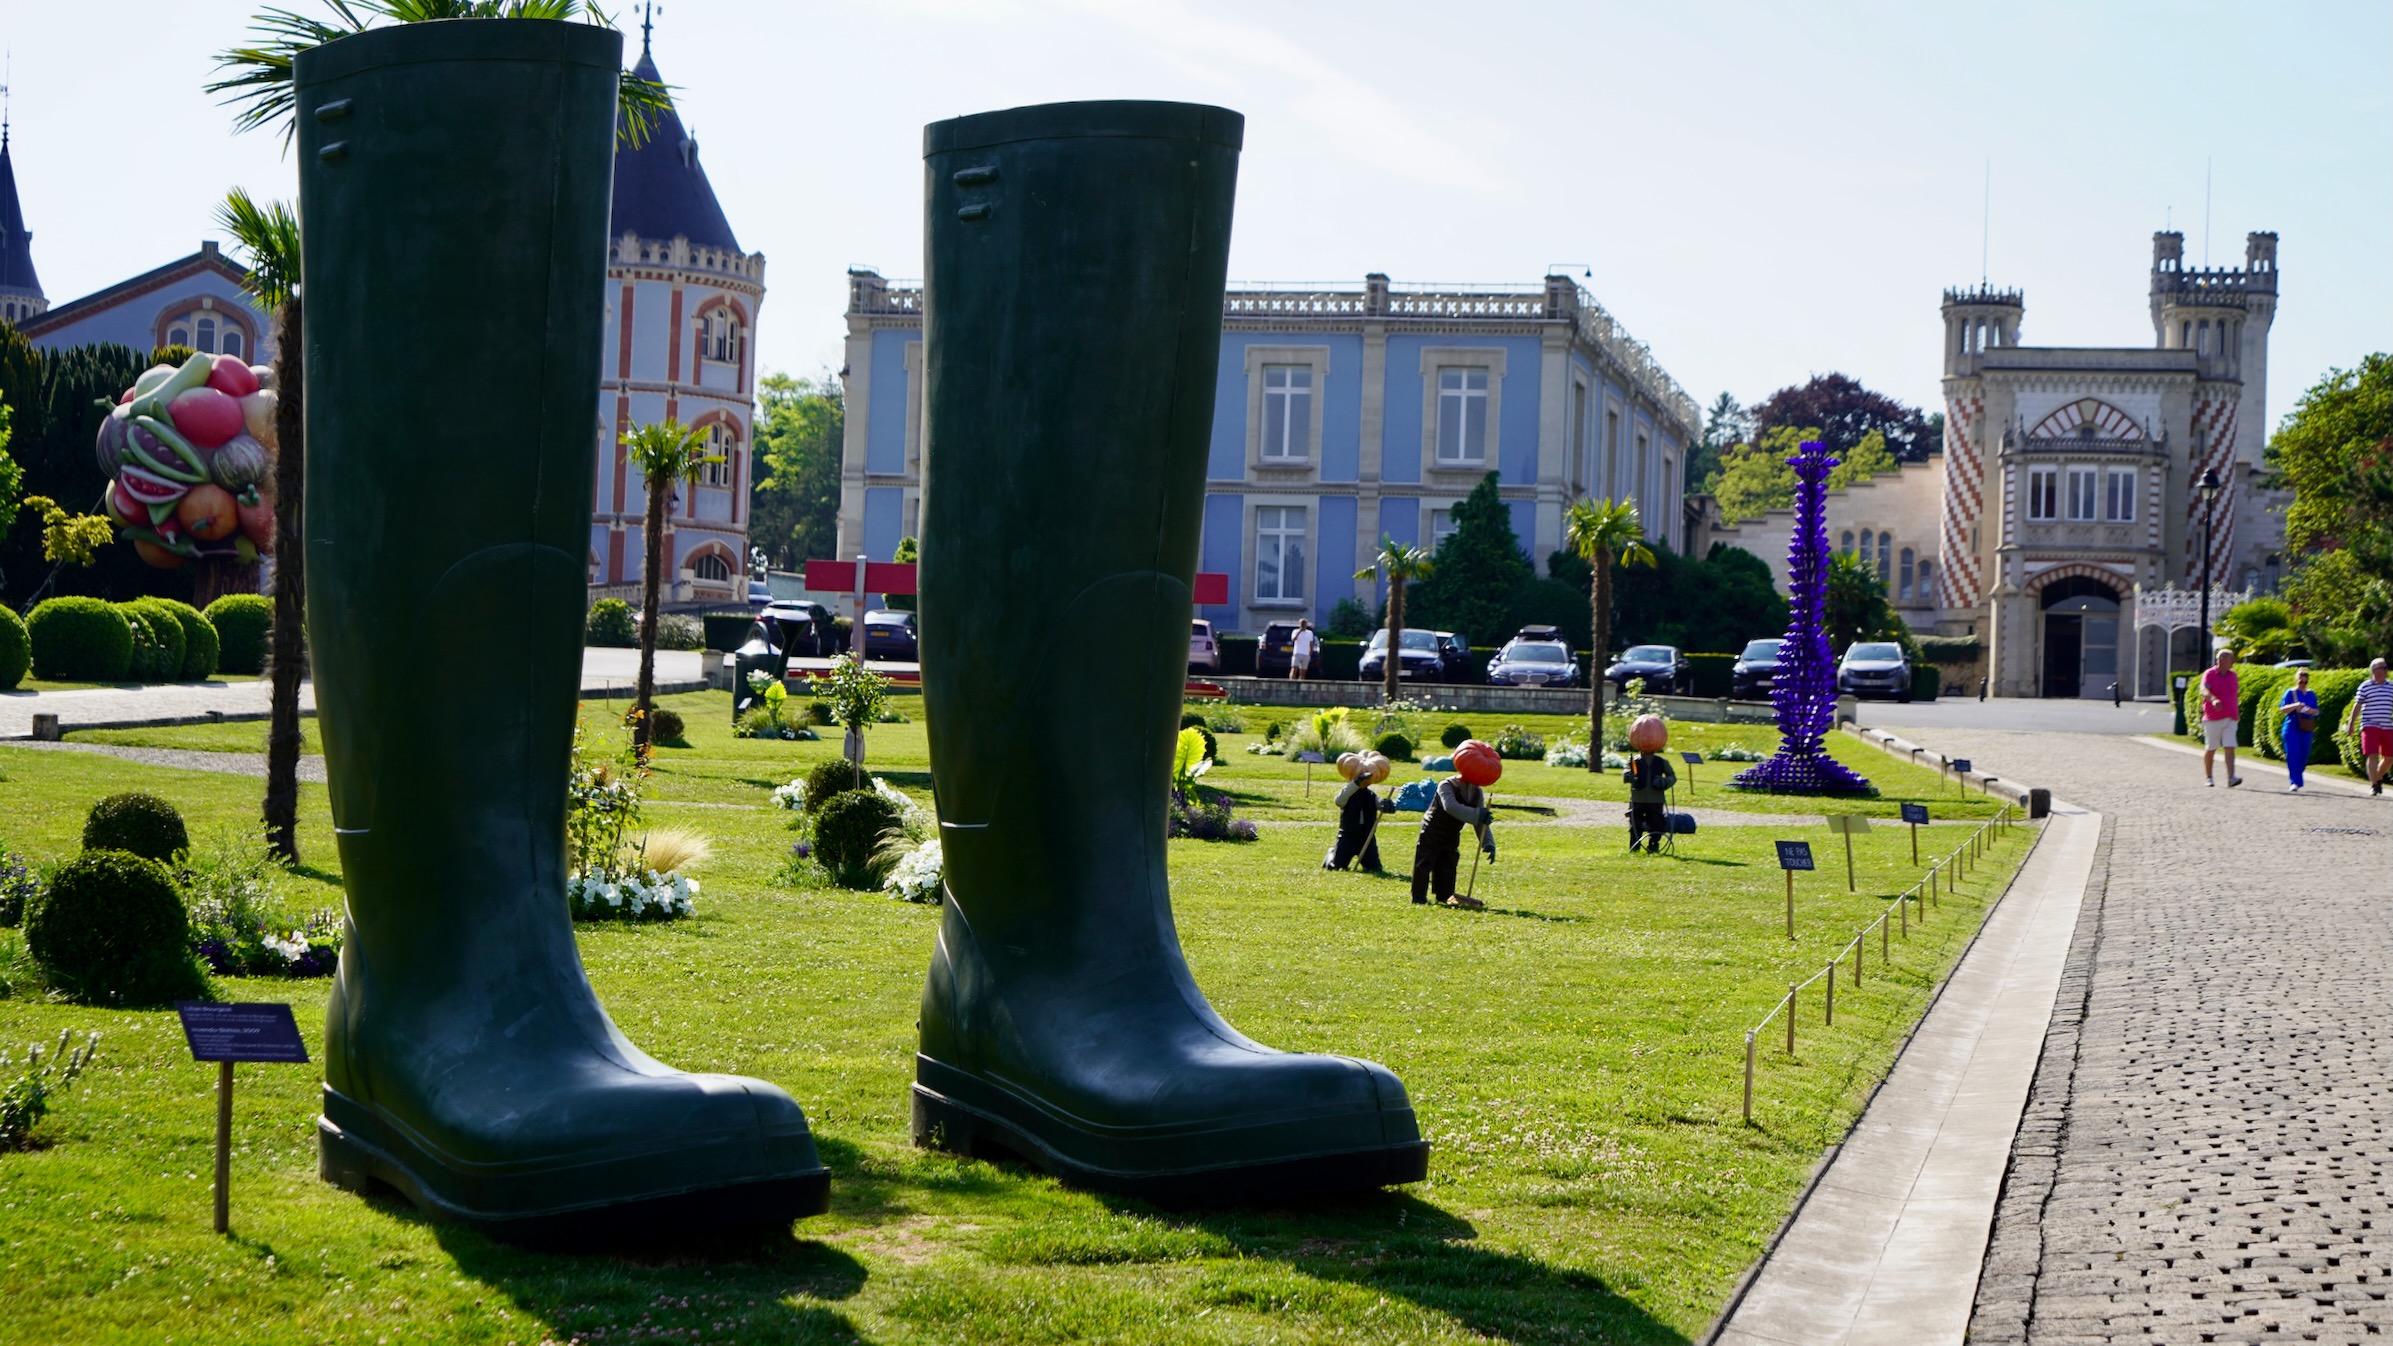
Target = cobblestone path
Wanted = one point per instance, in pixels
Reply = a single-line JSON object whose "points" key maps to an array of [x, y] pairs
{"points": [[2204, 1155]]}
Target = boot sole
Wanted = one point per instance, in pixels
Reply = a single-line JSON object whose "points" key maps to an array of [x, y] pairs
{"points": [[942, 1123], [352, 1164]]}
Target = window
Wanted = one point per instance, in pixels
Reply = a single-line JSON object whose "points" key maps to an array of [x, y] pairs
{"points": [[1611, 454], [719, 336], [1287, 413], [1865, 546], [1578, 434], [2081, 493], [1639, 495], [2043, 493], [722, 441], [712, 566], [1927, 580], [2118, 496], [1441, 527], [1845, 543], [1462, 415], [1279, 553], [1885, 556], [209, 331], [1903, 577]]}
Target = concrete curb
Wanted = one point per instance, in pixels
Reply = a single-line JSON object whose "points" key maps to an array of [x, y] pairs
{"points": [[606, 691], [1993, 786]]}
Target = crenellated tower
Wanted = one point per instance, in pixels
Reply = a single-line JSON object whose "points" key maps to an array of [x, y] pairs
{"points": [[2222, 315], [1976, 321]]}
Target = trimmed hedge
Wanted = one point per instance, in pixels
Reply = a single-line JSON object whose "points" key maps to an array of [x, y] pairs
{"points": [[611, 625], [2252, 682], [1341, 660], [848, 830], [138, 823], [202, 650], [2334, 688], [726, 631], [158, 652], [1948, 649], [80, 640], [244, 625], [1926, 681], [1394, 746], [16, 649], [1238, 655], [111, 930], [1712, 675]]}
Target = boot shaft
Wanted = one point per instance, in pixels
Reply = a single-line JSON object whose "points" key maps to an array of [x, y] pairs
{"points": [[1074, 268]]}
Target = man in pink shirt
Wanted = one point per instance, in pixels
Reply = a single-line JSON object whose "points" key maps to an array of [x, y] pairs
{"points": [[2220, 697]]}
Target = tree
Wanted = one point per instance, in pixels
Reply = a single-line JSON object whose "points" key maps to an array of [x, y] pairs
{"points": [[1713, 604], [268, 235], [1754, 478], [1856, 605], [1399, 563], [908, 552], [2336, 451], [1480, 566], [58, 400], [1725, 424], [1603, 534], [1842, 413], [2261, 629], [665, 455], [801, 433]]}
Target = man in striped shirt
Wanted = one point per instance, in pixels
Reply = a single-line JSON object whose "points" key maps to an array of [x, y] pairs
{"points": [[2372, 713]]}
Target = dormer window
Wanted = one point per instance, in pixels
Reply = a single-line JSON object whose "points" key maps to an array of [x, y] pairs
{"points": [[207, 330]]}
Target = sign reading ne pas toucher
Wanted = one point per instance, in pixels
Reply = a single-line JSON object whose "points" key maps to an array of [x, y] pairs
{"points": [[226, 1033]]}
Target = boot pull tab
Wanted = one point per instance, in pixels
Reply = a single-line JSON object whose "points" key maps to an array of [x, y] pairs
{"points": [[978, 175]]}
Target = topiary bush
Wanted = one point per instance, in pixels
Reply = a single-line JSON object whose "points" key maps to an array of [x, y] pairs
{"points": [[665, 726], [142, 824], [678, 631], [165, 659], [111, 930], [1212, 745], [201, 648], [833, 777], [80, 640], [149, 651], [1456, 735], [611, 625], [848, 831], [244, 625], [1190, 719], [16, 649], [1394, 746]]}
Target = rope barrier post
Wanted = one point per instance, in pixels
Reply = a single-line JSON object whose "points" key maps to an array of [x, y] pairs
{"points": [[1885, 950], [1857, 941], [1790, 1018], [1748, 1077], [1904, 913], [1832, 994]]}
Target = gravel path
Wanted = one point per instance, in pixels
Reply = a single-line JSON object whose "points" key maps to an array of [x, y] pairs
{"points": [[183, 759]]}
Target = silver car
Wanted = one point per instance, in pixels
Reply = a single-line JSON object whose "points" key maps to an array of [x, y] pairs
{"points": [[1874, 668]]}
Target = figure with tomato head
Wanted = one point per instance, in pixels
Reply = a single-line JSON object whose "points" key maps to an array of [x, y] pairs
{"points": [[1359, 807], [1460, 802], [1650, 777]]}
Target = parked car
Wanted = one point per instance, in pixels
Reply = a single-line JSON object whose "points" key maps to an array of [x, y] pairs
{"points": [[1665, 670], [1755, 671], [760, 594], [891, 635], [1533, 663], [1421, 659], [1202, 652], [1454, 656], [1874, 668], [808, 630], [1277, 646]]}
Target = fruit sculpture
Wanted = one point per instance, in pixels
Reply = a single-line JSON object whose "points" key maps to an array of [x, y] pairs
{"points": [[190, 450], [1650, 733], [1478, 763]]}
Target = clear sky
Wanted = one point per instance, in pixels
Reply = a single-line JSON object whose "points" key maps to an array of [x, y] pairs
{"points": [[1762, 191]]}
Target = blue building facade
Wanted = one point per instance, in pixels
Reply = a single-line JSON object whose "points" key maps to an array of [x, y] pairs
{"points": [[1342, 417]]}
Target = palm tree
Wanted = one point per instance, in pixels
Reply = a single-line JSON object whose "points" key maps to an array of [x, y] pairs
{"points": [[1398, 562], [259, 76], [1603, 534], [664, 455], [269, 236]]}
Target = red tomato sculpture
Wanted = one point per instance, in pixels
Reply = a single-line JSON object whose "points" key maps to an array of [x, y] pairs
{"points": [[1477, 763]]}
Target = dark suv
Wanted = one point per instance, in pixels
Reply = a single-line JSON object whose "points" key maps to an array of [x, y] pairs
{"points": [[1756, 670], [1424, 659], [1664, 669], [1278, 646], [807, 630]]}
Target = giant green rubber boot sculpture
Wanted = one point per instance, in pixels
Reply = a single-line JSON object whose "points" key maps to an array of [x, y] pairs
{"points": [[1073, 300], [454, 180]]}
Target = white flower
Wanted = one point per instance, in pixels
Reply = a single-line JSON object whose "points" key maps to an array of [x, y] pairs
{"points": [[791, 796], [918, 875]]}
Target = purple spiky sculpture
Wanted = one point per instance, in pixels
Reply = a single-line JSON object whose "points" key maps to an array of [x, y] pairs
{"points": [[1805, 689]]}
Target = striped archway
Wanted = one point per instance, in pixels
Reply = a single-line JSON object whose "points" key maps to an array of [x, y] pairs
{"points": [[2087, 418]]}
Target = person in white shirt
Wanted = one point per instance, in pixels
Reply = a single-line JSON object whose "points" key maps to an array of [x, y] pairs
{"points": [[2371, 714], [1300, 649]]}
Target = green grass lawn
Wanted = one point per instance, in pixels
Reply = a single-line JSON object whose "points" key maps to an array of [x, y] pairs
{"points": [[1574, 1054]]}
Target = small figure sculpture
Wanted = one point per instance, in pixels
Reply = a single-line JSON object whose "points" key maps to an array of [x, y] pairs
{"points": [[1461, 801], [1650, 778], [1359, 808]]}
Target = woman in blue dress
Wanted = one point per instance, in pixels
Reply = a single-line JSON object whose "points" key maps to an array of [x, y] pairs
{"points": [[2300, 708]]}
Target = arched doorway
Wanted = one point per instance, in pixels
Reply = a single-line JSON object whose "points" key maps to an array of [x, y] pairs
{"points": [[2081, 637]]}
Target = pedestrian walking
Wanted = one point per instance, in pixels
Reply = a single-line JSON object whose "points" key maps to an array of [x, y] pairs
{"points": [[2372, 714], [2221, 695], [2300, 708], [1300, 649]]}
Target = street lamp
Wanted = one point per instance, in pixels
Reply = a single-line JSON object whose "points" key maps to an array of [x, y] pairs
{"points": [[2209, 487]]}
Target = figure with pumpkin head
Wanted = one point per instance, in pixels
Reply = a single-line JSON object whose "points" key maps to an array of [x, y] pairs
{"points": [[1650, 778], [1359, 807], [1461, 801]]}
